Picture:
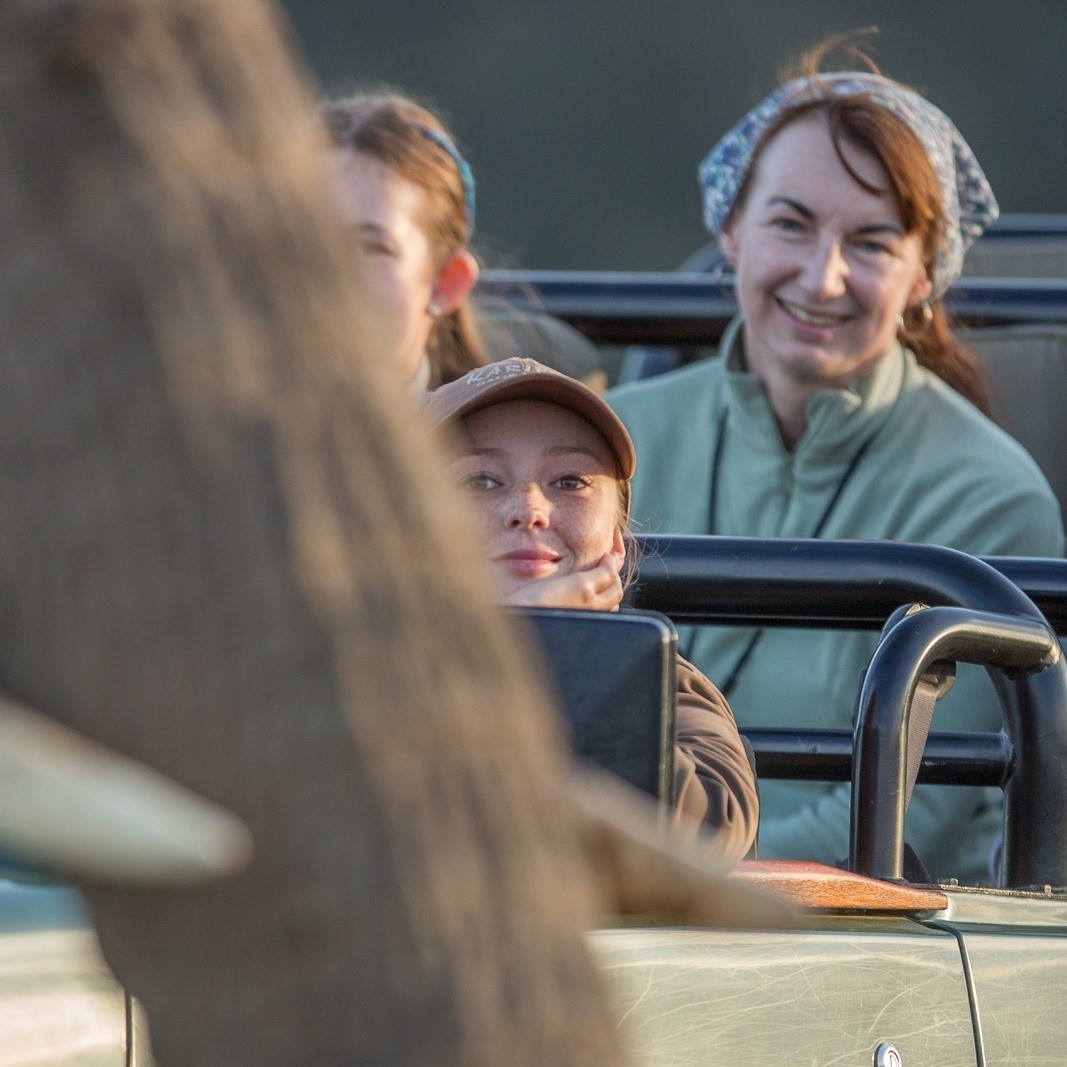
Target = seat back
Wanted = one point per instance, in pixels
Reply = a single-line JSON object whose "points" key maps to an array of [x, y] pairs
{"points": [[1020, 246], [1027, 377], [615, 677], [510, 331]]}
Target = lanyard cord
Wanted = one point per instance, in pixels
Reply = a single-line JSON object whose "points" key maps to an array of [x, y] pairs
{"points": [[716, 465]]}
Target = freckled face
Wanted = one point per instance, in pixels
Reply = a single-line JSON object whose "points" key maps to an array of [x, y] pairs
{"points": [[823, 266], [542, 483], [392, 263]]}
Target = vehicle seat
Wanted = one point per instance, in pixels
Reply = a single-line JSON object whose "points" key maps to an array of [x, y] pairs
{"points": [[1010, 251], [509, 331], [1027, 371], [623, 718]]}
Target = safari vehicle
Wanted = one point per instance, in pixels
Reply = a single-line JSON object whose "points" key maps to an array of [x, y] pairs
{"points": [[884, 971], [881, 971]]}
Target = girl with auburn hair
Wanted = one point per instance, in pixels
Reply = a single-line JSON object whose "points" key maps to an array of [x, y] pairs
{"points": [[406, 197], [843, 203]]}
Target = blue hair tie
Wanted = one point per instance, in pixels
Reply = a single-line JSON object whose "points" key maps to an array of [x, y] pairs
{"points": [[465, 174]]}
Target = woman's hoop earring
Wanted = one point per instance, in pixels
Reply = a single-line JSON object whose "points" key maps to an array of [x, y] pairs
{"points": [[433, 309], [926, 317], [718, 277]]}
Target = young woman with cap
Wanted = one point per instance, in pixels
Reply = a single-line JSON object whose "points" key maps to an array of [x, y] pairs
{"points": [[546, 466], [841, 407], [406, 198]]}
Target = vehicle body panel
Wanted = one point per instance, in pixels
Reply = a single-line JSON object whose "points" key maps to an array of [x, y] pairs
{"points": [[1017, 954], [59, 1005], [827, 995], [1019, 981]]}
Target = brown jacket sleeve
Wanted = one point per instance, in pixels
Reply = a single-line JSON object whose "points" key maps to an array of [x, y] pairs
{"points": [[714, 782]]}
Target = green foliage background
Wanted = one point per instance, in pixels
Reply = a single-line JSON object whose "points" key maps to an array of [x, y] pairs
{"points": [[584, 121]]}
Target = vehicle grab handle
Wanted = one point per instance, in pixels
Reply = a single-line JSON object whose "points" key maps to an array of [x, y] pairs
{"points": [[1027, 664]]}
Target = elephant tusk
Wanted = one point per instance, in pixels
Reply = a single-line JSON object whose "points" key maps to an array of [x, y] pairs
{"points": [[74, 808]]}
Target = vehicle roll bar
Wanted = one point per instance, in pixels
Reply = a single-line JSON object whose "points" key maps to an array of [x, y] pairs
{"points": [[1033, 687], [826, 756], [668, 308], [858, 585], [1044, 581], [816, 583]]}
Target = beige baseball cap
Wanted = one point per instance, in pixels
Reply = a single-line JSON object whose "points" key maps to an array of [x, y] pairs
{"points": [[526, 379]]}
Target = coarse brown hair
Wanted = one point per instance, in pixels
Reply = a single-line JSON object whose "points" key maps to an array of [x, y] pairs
{"points": [[388, 126], [863, 124]]}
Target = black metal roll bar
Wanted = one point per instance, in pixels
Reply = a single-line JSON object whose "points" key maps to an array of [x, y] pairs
{"points": [[824, 583], [844, 585], [691, 308], [859, 585], [1029, 224], [826, 756], [1033, 691], [1044, 581]]}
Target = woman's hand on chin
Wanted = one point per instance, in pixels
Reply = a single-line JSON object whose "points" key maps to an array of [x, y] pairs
{"points": [[597, 589]]}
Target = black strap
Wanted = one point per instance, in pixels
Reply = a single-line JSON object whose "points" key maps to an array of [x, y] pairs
{"points": [[933, 685], [734, 676], [922, 714]]}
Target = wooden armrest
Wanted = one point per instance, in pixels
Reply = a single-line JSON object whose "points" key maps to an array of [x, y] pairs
{"points": [[814, 885]]}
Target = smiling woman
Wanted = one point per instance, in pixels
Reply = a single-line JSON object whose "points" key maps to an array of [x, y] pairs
{"points": [[825, 267], [841, 406]]}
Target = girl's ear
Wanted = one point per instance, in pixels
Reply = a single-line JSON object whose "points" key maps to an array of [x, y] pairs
{"points": [[454, 281], [618, 548]]}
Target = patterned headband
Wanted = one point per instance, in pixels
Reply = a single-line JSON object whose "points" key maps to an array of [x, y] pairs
{"points": [[967, 200], [466, 176]]}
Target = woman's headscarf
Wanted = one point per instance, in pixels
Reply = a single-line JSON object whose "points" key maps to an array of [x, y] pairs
{"points": [[967, 200]]}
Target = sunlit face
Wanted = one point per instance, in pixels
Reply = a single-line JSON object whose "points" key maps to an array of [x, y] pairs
{"points": [[542, 482], [823, 266], [392, 262]]}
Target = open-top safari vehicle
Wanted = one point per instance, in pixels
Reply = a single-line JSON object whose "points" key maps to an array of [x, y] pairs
{"points": [[940, 973]]}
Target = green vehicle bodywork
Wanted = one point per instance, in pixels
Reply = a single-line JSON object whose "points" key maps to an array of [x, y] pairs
{"points": [[830, 994], [980, 982]]}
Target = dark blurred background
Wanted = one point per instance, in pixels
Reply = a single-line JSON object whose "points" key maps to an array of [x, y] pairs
{"points": [[584, 121]]}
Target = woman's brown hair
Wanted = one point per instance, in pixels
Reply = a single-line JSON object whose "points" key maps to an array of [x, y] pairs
{"points": [[390, 127]]}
